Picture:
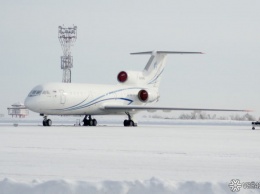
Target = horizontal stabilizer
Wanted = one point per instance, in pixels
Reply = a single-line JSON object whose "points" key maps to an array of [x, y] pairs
{"points": [[164, 52]]}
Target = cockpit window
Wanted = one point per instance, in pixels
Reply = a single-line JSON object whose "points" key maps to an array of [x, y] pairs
{"points": [[38, 92], [35, 93]]}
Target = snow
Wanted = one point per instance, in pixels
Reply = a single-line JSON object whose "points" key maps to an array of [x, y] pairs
{"points": [[152, 186], [113, 159], [117, 121]]}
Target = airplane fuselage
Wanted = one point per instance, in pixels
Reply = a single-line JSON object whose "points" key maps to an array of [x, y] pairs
{"points": [[82, 99]]}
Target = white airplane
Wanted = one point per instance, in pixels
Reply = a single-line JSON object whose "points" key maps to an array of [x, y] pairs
{"points": [[136, 89]]}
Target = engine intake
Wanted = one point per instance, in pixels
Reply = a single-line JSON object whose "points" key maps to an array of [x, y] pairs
{"points": [[143, 95], [131, 77], [122, 76]]}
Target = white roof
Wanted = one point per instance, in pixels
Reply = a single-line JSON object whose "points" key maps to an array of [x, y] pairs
{"points": [[18, 104]]}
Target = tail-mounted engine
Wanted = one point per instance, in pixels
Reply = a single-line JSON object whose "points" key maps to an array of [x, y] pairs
{"points": [[137, 78], [131, 77], [148, 96], [122, 76], [143, 95]]}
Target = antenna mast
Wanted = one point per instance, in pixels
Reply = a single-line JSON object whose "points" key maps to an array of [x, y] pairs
{"points": [[67, 37]]}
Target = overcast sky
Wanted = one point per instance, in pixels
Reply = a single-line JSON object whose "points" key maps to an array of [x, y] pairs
{"points": [[228, 32]]}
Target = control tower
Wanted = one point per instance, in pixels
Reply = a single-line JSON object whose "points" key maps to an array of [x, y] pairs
{"points": [[67, 37], [18, 110]]}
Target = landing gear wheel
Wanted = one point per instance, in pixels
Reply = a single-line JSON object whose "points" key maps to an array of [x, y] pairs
{"points": [[49, 122], [94, 122], [129, 122], [88, 121], [46, 122], [253, 128], [126, 123]]}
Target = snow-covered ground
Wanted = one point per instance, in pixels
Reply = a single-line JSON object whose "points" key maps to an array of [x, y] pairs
{"points": [[116, 121], [114, 159]]}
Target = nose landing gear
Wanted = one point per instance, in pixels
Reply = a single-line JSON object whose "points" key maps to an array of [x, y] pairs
{"points": [[88, 121], [46, 121]]}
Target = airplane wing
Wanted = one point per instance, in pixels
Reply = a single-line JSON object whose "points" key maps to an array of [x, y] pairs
{"points": [[134, 108]]}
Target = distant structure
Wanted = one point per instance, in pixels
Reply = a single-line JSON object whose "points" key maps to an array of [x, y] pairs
{"points": [[67, 37], [18, 110]]}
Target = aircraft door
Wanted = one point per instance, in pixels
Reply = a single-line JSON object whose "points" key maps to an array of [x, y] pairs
{"points": [[62, 97]]}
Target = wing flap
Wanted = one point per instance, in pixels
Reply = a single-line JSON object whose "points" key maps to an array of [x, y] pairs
{"points": [[134, 108]]}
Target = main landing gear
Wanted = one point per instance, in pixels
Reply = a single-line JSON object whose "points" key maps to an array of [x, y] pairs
{"points": [[129, 122], [88, 121], [46, 122], [254, 124]]}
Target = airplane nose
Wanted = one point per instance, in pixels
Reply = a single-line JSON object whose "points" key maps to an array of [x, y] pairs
{"points": [[27, 103], [33, 103], [30, 103]]}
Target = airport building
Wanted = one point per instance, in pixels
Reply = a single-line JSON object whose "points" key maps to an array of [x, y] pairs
{"points": [[18, 110]]}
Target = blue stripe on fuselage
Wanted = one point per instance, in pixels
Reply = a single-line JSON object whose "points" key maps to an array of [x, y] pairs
{"points": [[94, 101]]}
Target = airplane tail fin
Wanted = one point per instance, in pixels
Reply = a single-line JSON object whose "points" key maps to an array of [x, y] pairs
{"points": [[155, 66]]}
